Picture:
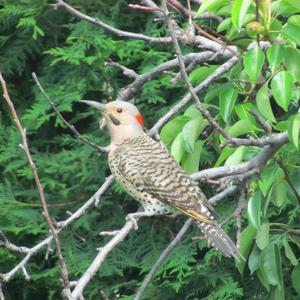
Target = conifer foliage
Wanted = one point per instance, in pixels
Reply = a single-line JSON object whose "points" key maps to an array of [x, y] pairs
{"points": [[239, 137]]}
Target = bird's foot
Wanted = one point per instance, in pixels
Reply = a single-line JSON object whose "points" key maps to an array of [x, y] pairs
{"points": [[132, 219]]}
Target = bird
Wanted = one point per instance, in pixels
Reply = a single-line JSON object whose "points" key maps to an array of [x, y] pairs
{"points": [[149, 174]]}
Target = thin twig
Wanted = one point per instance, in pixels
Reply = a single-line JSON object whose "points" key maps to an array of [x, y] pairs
{"points": [[186, 99], [1, 291], [263, 124], [7, 244], [129, 91], [118, 32], [145, 8], [257, 162], [25, 147], [227, 192], [162, 257], [126, 71], [287, 177], [61, 225], [185, 77], [99, 259], [71, 127]]}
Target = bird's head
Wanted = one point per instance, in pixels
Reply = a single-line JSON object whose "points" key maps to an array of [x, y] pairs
{"points": [[123, 119]]}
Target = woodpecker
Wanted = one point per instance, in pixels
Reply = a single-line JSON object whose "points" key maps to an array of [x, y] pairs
{"points": [[150, 174]]}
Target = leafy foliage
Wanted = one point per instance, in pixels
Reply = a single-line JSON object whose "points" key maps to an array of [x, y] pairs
{"points": [[69, 56]]}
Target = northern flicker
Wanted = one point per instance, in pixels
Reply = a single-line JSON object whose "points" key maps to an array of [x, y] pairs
{"points": [[151, 175]]}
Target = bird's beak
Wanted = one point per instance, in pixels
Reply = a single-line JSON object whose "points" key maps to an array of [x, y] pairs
{"points": [[97, 105]]}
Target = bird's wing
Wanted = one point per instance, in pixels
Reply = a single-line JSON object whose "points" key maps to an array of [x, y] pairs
{"points": [[160, 176]]}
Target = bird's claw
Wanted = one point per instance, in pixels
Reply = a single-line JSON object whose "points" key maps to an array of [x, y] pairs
{"points": [[133, 220]]}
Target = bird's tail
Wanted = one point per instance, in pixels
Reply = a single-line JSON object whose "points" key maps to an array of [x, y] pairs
{"points": [[217, 238]]}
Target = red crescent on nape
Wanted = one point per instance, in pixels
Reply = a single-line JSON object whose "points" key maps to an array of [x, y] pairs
{"points": [[139, 118]]}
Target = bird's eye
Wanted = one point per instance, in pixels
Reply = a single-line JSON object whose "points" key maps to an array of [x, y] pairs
{"points": [[119, 110]]}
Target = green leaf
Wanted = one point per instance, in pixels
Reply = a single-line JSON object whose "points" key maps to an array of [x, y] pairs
{"points": [[247, 236], [292, 55], [295, 278], [263, 279], [224, 25], [270, 262], [262, 236], [191, 131], [253, 63], [253, 260], [214, 90], [270, 174], [199, 74], [224, 154], [240, 127], [292, 29], [294, 129], [210, 5], [289, 252], [265, 10], [190, 161], [263, 103], [281, 86], [236, 157], [172, 128], [239, 11], [193, 112], [279, 193], [254, 210], [279, 292], [275, 55], [242, 110], [177, 149], [227, 101]]}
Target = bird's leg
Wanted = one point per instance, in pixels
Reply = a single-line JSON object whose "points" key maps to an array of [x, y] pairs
{"points": [[132, 217]]}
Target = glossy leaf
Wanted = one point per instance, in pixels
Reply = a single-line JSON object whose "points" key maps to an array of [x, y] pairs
{"points": [[292, 55], [224, 25], [294, 130], [247, 236], [201, 73], [242, 110], [275, 55], [265, 10], [172, 128], [271, 263], [191, 131], [292, 29], [279, 193], [263, 278], [263, 103], [224, 154], [253, 62], [253, 260], [214, 90], [295, 278], [236, 157], [268, 176], [190, 161], [193, 112], [279, 292], [289, 253], [227, 101], [210, 5], [254, 210], [240, 127], [262, 236], [239, 11], [281, 86], [177, 149]]}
